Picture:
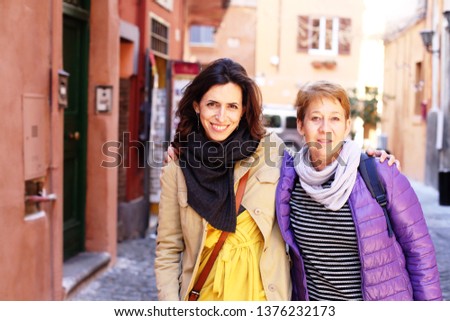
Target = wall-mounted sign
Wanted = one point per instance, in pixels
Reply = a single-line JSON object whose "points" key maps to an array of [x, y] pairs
{"points": [[103, 99], [63, 88], [168, 4]]}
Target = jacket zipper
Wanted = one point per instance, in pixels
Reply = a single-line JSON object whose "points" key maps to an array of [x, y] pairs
{"points": [[359, 248]]}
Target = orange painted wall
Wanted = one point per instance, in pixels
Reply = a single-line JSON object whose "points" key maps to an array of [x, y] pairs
{"points": [[277, 30], [30, 248], [235, 39], [101, 192], [138, 13], [405, 129]]}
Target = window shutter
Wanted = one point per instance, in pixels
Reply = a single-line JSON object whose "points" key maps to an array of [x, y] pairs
{"points": [[303, 34], [345, 26], [159, 38]]}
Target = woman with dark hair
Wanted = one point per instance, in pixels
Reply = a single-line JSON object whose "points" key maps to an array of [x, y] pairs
{"points": [[221, 72], [220, 140]]}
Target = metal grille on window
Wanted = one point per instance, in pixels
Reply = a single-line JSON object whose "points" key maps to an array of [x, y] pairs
{"points": [[159, 38]]}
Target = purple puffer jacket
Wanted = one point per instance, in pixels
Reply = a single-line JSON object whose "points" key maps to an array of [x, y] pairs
{"points": [[402, 267]]}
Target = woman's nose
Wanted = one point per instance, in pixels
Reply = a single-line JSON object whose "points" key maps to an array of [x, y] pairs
{"points": [[324, 126], [220, 115]]}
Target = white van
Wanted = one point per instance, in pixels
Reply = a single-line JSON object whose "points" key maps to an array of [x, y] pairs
{"points": [[282, 119]]}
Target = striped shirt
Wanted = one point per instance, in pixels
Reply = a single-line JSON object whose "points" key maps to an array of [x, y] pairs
{"points": [[327, 241]]}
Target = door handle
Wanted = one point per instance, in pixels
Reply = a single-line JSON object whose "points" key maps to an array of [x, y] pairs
{"points": [[74, 136]]}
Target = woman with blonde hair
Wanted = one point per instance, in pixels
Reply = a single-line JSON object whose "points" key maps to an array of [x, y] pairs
{"points": [[342, 245]]}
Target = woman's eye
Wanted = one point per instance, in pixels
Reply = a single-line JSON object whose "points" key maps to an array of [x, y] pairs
{"points": [[233, 106]]}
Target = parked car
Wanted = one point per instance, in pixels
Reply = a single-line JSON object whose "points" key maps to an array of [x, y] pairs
{"points": [[282, 119]]}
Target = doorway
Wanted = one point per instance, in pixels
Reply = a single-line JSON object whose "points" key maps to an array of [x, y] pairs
{"points": [[75, 62]]}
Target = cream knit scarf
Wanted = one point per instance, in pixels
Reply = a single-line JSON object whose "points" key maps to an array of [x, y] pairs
{"points": [[344, 169]]}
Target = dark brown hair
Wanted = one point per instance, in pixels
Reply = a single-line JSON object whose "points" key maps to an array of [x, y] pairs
{"points": [[220, 72], [311, 92]]}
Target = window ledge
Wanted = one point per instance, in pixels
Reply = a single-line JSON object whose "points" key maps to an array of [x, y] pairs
{"points": [[327, 64]]}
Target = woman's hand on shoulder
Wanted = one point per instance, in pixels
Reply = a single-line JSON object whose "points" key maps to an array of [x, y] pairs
{"points": [[383, 155], [171, 155]]}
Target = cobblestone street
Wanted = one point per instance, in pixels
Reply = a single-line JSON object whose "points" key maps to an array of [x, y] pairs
{"points": [[133, 278]]}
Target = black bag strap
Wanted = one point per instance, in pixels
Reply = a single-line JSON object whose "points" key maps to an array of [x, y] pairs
{"points": [[368, 170]]}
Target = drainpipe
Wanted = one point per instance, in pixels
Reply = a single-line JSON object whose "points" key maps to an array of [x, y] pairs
{"points": [[50, 173], [445, 72], [435, 65], [280, 21], [444, 168]]}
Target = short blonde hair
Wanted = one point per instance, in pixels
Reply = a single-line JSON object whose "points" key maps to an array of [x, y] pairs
{"points": [[313, 91]]}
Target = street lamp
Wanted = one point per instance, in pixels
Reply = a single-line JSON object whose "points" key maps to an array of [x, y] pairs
{"points": [[447, 16], [427, 39]]}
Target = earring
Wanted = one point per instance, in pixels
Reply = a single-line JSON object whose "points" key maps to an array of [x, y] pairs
{"points": [[237, 128], [198, 121]]}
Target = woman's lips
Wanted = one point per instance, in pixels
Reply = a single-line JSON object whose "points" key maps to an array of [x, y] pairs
{"points": [[219, 128]]}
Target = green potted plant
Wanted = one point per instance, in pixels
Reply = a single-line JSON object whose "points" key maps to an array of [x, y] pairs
{"points": [[365, 108]]}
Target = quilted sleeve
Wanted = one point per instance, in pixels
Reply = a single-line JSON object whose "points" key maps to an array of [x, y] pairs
{"points": [[412, 233]]}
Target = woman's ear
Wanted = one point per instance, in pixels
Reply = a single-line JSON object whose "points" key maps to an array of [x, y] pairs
{"points": [[349, 127], [196, 107], [300, 127]]}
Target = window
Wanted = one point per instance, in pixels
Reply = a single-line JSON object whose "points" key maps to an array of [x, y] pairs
{"points": [[273, 121], [159, 37], [201, 35], [420, 106], [323, 35], [291, 122]]}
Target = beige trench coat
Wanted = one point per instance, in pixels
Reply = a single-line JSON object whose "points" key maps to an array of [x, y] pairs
{"points": [[182, 232]]}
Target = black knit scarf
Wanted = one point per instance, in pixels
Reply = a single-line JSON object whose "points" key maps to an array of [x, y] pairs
{"points": [[208, 168]]}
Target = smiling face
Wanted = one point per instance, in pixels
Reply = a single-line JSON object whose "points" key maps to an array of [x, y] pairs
{"points": [[220, 111], [325, 127]]}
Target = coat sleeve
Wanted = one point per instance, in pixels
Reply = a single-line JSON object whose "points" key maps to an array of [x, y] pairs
{"points": [[169, 241], [411, 231]]}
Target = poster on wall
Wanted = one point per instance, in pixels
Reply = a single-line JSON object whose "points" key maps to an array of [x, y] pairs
{"points": [[157, 138], [182, 75]]}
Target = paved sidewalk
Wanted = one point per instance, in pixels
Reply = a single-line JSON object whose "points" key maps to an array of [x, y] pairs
{"points": [[133, 277], [438, 220]]}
